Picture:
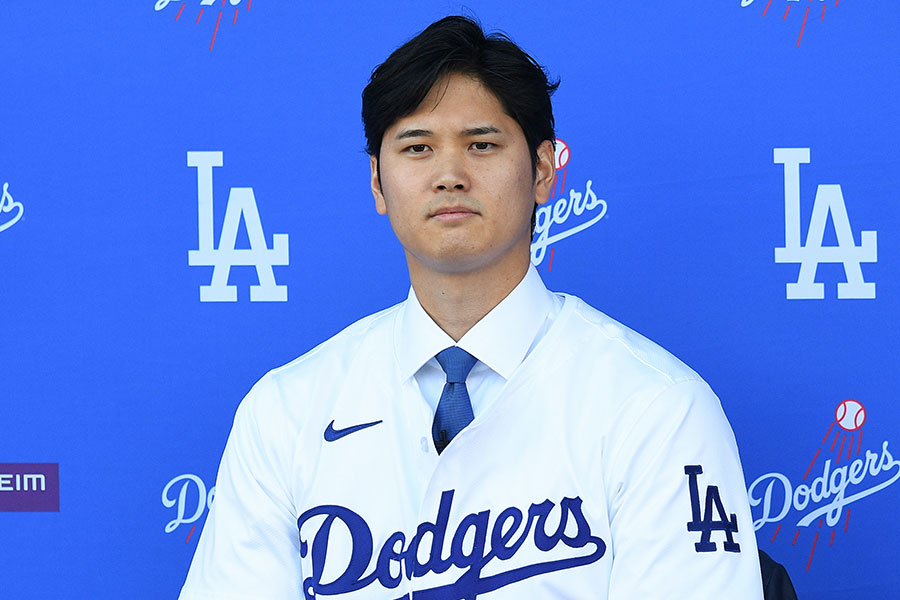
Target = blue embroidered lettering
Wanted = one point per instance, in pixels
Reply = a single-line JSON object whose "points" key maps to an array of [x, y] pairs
{"points": [[478, 523], [388, 554], [468, 549], [706, 523], [499, 537], [351, 579], [438, 529]]}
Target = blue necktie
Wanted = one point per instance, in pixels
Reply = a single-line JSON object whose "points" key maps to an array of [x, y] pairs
{"points": [[454, 410]]}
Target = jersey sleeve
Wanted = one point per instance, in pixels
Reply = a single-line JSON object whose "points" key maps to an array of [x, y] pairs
{"points": [[680, 521], [249, 548]]}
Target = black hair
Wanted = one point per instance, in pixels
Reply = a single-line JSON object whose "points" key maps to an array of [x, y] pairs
{"points": [[457, 44]]}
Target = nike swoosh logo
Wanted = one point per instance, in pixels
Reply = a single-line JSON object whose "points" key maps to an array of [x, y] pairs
{"points": [[332, 434]]}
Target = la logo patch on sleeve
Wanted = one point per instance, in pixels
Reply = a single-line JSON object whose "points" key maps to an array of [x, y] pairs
{"points": [[714, 516]]}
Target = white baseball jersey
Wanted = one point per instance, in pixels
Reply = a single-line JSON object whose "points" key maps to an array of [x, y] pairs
{"points": [[597, 466]]}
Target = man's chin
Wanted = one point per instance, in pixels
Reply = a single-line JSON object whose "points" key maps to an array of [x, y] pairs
{"points": [[465, 260]]}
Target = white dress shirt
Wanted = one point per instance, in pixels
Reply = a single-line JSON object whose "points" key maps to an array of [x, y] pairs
{"points": [[500, 341]]}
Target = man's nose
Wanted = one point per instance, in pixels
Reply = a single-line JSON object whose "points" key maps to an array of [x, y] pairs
{"points": [[450, 173]]}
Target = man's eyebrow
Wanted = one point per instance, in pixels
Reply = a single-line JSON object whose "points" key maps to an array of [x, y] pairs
{"points": [[471, 131], [413, 133], [480, 130]]}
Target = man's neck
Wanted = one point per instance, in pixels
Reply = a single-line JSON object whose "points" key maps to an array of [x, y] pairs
{"points": [[456, 301]]}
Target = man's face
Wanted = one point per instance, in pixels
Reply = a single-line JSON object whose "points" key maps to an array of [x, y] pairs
{"points": [[456, 181]]}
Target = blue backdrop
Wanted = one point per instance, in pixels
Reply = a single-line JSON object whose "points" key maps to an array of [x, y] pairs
{"points": [[113, 368]]}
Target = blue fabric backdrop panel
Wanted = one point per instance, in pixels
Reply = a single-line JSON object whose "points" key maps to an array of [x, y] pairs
{"points": [[114, 369]]}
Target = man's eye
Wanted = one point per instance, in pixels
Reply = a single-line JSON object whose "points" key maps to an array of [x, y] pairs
{"points": [[482, 145], [417, 148]]}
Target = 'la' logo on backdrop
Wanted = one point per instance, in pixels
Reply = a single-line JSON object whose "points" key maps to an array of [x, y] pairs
{"points": [[241, 205], [829, 201]]}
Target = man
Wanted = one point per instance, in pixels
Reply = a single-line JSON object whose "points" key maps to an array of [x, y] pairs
{"points": [[485, 438]]}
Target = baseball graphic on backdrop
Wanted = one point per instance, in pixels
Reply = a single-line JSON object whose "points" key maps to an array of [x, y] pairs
{"points": [[561, 151], [850, 415]]}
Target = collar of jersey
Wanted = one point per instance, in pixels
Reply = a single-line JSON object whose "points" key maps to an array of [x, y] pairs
{"points": [[500, 340]]}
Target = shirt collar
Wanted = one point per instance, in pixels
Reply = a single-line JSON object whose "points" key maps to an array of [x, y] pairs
{"points": [[500, 340]]}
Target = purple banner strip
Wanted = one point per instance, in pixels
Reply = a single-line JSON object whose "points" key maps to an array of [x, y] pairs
{"points": [[29, 487]]}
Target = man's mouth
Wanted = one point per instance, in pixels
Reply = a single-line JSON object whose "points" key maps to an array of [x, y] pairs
{"points": [[453, 213]]}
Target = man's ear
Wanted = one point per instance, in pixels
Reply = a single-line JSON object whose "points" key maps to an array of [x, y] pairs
{"points": [[544, 172], [380, 205]]}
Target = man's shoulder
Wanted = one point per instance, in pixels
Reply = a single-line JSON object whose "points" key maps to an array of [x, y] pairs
{"points": [[291, 398], [598, 335], [360, 337]]}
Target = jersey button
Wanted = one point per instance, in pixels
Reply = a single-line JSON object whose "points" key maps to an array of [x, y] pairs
{"points": [[426, 448]]}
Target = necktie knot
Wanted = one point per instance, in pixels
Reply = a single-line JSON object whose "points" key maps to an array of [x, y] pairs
{"points": [[456, 363]]}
